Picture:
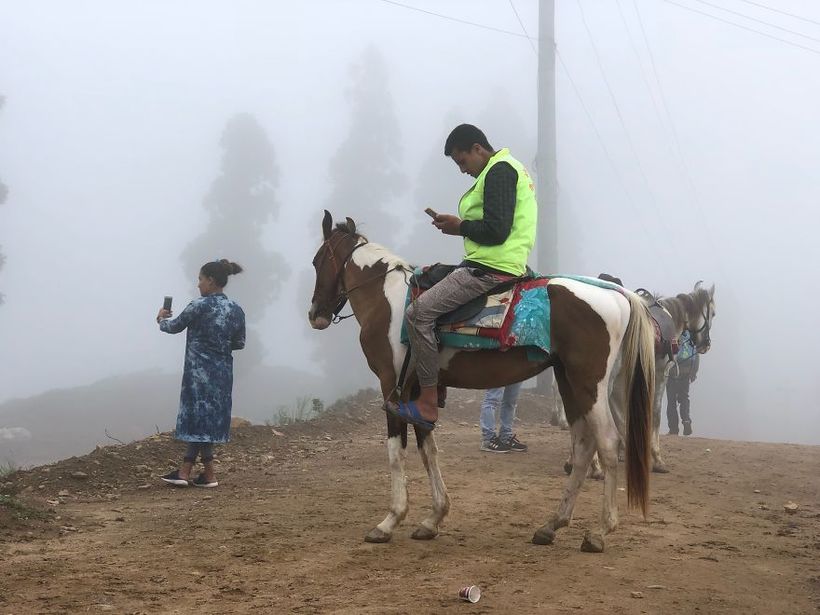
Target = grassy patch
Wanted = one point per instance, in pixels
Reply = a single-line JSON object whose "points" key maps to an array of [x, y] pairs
{"points": [[305, 409], [6, 468], [21, 511]]}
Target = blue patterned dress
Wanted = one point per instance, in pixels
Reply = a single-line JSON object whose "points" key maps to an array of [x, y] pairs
{"points": [[216, 327]]}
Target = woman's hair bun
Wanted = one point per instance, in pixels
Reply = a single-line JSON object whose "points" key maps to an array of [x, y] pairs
{"points": [[231, 267]]}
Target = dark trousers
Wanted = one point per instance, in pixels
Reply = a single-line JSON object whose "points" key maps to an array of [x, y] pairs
{"points": [[677, 393]]}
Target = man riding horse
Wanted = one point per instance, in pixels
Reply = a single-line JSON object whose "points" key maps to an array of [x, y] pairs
{"points": [[497, 218]]}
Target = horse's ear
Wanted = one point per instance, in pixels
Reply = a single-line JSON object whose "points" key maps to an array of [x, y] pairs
{"points": [[327, 225], [351, 226], [697, 284]]}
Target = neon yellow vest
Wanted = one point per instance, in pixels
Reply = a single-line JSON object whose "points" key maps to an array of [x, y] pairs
{"points": [[510, 256]]}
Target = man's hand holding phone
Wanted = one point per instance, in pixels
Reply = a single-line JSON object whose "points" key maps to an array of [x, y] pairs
{"points": [[446, 223]]}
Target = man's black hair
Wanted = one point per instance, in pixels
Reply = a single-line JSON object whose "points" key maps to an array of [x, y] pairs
{"points": [[463, 137]]}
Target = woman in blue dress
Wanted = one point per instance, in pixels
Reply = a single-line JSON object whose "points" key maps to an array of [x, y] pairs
{"points": [[216, 327]]}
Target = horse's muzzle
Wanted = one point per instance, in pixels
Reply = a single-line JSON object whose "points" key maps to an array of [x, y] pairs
{"points": [[319, 323], [316, 321]]}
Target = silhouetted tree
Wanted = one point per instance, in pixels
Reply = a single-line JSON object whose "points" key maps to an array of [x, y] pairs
{"points": [[367, 182], [240, 202], [4, 192]]}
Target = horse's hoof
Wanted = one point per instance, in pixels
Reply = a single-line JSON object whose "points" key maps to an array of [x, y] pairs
{"points": [[423, 533], [593, 543], [376, 535], [544, 535], [660, 468], [567, 468], [597, 475]]}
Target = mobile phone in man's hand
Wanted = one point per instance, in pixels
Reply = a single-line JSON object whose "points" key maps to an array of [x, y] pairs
{"points": [[431, 213], [166, 304]]}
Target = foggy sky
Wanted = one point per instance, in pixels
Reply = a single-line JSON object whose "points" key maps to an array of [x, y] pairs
{"points": [[109, 142]]}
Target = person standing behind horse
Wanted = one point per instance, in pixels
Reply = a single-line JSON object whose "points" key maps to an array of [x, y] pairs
{"points": [[505, 400], [677, 386], [216, 327], [497, 218]]}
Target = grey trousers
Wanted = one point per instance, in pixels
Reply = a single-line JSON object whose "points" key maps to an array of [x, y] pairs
{"points": [[462, 285]]}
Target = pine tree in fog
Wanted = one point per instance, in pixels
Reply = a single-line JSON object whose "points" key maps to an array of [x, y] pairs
{"points": [[367, 181], [4, 191], [240, 203], [365, 172]]}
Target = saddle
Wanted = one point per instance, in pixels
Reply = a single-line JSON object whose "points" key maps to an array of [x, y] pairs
{"points": [[666, 342], [431, 275]]}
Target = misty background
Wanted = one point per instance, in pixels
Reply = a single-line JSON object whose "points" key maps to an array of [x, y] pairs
{"points": [[139, 141]]}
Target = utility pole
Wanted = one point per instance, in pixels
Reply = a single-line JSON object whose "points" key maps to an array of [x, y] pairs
{"points": [[546, 158]]}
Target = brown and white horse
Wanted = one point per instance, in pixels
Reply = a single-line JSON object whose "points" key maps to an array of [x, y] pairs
{"points": [[602, 347], [692, 312]]}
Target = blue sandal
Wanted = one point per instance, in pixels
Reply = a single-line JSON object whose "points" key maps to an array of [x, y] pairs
{"points": [[409, 413]]}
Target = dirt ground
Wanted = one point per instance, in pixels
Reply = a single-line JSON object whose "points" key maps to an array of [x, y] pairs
{"points": [[283, 533]]}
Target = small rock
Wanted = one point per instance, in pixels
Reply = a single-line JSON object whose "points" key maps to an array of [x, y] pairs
{"points": [[68, 528], [120, 519], [143, 486], [757, 490], [637, 594], [142, 468], [277, 433], [790, 507], [63, 493], [53, 502], [609, 567], [79, 475], [656, 587], [708, 450]]}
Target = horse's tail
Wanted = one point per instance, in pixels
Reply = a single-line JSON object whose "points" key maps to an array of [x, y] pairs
{"points": [[639, 368]]}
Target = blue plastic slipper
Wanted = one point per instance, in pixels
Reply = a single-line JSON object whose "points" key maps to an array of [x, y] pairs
{"points": [[409, 413]]}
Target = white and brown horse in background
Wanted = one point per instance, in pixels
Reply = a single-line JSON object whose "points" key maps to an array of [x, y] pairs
{"points": [[692, 312], [602, 346]]}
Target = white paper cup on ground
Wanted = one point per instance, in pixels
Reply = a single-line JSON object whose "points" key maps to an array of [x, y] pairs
{"points": [[471, 593]]}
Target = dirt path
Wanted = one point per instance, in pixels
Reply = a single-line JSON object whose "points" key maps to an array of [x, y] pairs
{"points": [[285, 534]]}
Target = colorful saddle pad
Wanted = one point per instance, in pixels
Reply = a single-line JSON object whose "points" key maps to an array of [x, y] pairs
{"points": [[516, 316]]}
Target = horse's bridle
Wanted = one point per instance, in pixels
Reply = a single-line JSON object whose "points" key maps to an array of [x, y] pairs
{"points": [[706, 326], [344, 293]]}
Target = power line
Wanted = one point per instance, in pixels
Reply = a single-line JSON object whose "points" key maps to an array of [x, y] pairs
{"points": [[640, 64], [632, 147], [455, 19], [768, 8], [523, 29], [760, 21], [612, 164], [690, 182], [737, 25], [604, 148]]}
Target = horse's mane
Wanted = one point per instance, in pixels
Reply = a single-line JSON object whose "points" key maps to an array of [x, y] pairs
{"points": [[685, 305], [378, 250]]}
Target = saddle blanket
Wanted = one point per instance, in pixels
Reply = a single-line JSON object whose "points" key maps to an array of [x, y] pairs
{"points": [[516, 316]]}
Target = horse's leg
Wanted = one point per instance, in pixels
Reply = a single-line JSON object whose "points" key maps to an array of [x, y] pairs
{"points": [[396, 454], [583, 447], [594, 471], [608, 435], [441, 501], [658, 464]]}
